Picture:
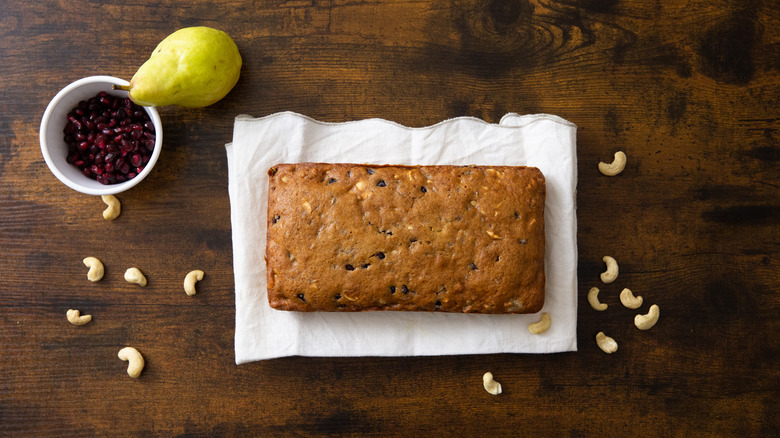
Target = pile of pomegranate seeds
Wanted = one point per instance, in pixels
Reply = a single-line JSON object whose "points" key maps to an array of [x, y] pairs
{"points": [[110, 138]]}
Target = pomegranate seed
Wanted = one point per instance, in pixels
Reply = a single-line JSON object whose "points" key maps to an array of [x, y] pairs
{"points": [[101, 130]]}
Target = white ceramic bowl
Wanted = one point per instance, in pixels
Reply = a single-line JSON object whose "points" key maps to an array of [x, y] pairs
{"points": [[53, 144]]}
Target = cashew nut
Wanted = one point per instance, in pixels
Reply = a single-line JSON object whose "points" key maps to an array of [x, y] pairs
{"points": [[76, 319], [95, 268], [190, 280], [629, 300], [540, 327], [607, 344], [645, 322], [611, 273], [133, 275], [135, 362], [593, 299], [113, 209], [616, 166], [491, 385]]}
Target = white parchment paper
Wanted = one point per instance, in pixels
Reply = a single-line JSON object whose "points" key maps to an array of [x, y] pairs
{"points": [[544, 141]]}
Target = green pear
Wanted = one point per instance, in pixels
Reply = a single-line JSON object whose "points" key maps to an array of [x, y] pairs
{"points": [[192, 67]]}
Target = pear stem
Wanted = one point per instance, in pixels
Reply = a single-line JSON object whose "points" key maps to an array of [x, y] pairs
{"points": [[121, 87]]}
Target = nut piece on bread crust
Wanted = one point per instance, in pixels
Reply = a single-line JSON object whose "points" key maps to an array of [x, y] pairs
{"points": [[349, 237]]}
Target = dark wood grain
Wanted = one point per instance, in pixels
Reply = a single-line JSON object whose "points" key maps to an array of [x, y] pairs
{"points": [[690, 90]]}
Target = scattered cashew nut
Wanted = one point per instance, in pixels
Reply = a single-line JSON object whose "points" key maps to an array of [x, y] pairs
{"points": [[190, 280], [607, 344], [645, 322], [615, 167], [491, 385], [611, 273], [76, 319], [135, 362], [540, 327], [133, 275], [629, 300], [113, 209], [593, 299], [95, 268]]}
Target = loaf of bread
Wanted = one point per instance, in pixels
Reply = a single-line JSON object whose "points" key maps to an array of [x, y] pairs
{"points": [[349, 237]]}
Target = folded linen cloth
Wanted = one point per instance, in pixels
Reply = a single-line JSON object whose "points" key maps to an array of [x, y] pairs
{"points": [[541, 140]]}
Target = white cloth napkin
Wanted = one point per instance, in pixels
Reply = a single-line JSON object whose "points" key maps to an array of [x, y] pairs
{"points": [[545, 141]]}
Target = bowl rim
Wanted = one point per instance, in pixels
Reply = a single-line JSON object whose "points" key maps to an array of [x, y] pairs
{"points": [[110, 189]]}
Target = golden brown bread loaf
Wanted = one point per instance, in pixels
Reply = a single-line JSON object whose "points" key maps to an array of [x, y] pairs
{"points": [[349, 237]]}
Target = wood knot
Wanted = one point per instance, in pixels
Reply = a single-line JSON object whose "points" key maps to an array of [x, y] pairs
{"points": [[506, 12]]}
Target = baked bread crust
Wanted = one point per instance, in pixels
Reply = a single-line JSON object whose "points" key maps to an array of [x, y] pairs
{"points": [[350, 237]]}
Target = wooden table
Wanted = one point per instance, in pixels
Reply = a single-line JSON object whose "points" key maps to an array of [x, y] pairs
{"points": [[690, 90]]}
